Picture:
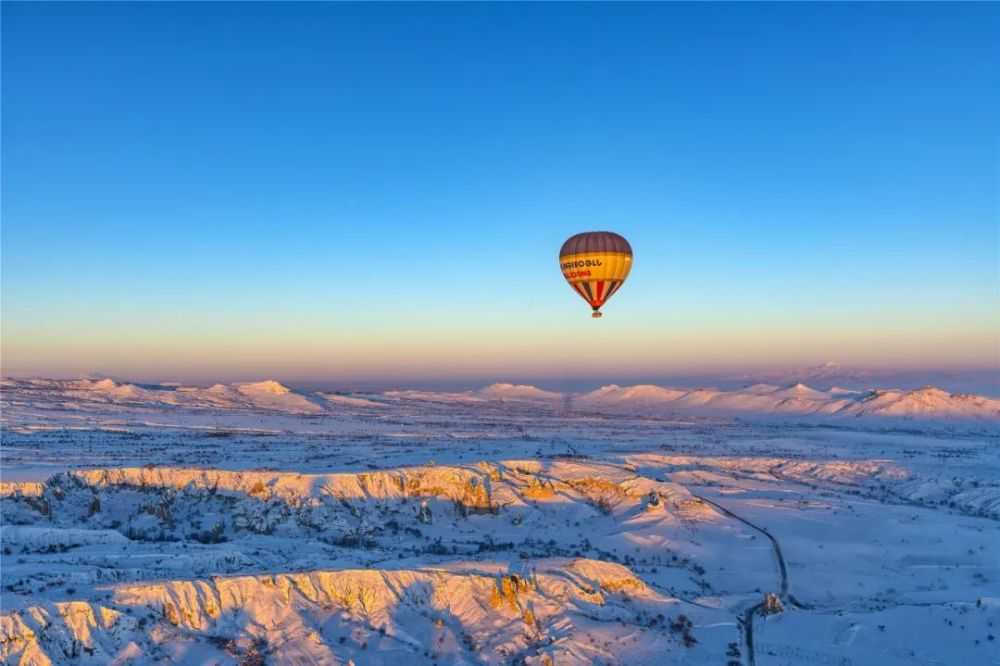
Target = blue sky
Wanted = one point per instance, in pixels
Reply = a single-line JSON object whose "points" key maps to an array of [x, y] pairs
{"points": [[314, 190]]}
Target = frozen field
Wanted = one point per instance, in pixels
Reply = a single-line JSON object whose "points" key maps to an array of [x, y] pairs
{"points": [[250, 524]]}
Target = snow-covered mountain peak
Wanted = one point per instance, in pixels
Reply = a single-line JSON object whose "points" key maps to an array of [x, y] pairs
{"points": [[504, 391], [268, 386], [106, 384], [804, 391], [624, 395]]}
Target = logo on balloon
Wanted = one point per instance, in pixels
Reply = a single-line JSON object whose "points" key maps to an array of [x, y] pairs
{"points": [[581, 263]]}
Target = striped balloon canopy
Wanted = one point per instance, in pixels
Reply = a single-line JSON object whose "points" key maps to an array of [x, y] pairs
{"points": [[595, 264]]}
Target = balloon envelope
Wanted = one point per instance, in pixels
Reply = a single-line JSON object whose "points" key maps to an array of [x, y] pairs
{"points": [[595, 264]]}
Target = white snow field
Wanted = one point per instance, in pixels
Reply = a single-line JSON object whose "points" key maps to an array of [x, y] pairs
{"points": [[256, 524]]}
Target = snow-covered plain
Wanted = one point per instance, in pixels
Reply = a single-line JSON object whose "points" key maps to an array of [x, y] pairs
{"points": [[252, 523]]}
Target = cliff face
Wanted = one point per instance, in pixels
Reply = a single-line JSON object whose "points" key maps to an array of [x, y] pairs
{"points": [[556, 611]]}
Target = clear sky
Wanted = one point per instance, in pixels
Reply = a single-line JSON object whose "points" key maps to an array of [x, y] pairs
{"points": [[312, 191]]}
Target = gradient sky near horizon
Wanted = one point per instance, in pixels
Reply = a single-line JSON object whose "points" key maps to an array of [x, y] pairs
{"points": [[310, 191]]}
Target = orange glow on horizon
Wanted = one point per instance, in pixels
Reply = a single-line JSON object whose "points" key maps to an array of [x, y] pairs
{"points": [[434, 351]]}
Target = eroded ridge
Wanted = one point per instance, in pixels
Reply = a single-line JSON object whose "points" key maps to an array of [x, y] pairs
{"points": [[554, 611]]}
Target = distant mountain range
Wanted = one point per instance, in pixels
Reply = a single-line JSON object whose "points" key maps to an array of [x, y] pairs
{"points": [[985, 381], [760, 399]]}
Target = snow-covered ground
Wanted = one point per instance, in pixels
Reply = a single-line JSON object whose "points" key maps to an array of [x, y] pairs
{"points": [[252, 523]]}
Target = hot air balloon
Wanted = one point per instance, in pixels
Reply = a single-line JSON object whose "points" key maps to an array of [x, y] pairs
{"points": [[595, 264]]}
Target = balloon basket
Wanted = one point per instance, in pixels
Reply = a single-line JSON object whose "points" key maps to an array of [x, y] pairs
{"points": [[596, 315]]}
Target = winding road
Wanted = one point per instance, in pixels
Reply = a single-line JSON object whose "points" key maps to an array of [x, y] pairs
{"points": [[783, 592]]}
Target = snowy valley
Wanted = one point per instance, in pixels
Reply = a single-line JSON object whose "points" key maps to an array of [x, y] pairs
{"points": [[252, 523]]}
